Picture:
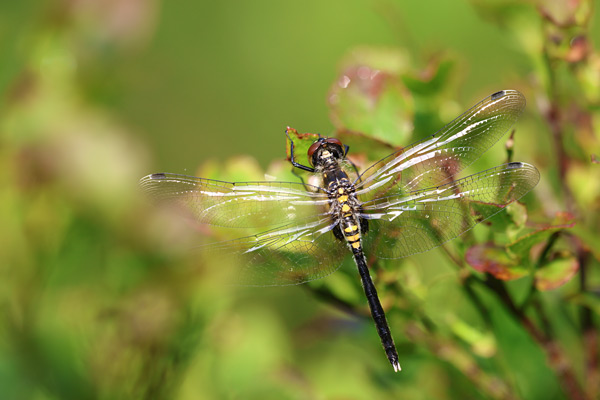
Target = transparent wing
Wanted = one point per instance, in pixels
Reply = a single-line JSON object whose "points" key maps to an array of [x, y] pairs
{"points": [[240, 204], [286, 255], [436, 159], [402, 225], [298, 246]]}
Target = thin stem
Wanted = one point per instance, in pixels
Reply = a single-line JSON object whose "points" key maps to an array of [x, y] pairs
{"points": [[540, 261], [510, 146], [457, 261], [554, 119], [328, 297], [481, 308]]}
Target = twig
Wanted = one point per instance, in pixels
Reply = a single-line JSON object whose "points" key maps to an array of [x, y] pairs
{"points": [[539, 263], [335, 301], [459, 262], [510, 146], [481, 308], [554, 119]]}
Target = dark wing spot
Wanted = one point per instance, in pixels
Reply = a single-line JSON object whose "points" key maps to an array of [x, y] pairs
{"points": [[515, 165], [497, 95], [158, 176]]}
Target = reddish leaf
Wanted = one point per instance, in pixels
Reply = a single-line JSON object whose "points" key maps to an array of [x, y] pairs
{"points": [[494, 260], [556, 273]]}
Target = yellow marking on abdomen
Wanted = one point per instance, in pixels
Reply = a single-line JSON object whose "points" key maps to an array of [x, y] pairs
{"points": [[343, 199], [353, 238], [345, 208], [356, 245], [351, 228]]}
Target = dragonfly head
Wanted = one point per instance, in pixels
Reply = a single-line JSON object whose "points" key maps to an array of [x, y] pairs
{"points": [[324, 148]]}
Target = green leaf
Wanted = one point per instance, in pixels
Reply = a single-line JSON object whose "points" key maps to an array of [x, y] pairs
{"points": [[522, 245], [302, 141], [372, 102], [482, 343], [517, 212], [587, 299], [556, 273], [235, 169], [432, 80]]}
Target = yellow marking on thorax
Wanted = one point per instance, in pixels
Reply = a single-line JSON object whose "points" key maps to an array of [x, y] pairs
{"points": [[343, 199], [341, 190], [351, 228], [356, 245], [345, 208]]}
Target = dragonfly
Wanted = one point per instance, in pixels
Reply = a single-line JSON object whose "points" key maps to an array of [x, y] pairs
{"points": [[406, 203]]}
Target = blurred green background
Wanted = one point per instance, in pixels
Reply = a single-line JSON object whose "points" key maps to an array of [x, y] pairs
{"points": [[100, 296]]}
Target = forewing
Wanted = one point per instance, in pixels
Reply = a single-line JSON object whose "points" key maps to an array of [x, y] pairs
{"points": [[436, 159], [240, 204], [298, 246], [402, 225], [286, 255]]}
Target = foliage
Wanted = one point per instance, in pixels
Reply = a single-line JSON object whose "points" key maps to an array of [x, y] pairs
{"points": [[102, 298]]}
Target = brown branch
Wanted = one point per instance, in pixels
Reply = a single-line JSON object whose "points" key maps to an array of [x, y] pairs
{"points": [[554, 119]]}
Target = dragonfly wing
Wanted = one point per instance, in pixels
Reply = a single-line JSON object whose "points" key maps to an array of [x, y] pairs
{"points": [[240, 204], [297, 247], [437, 158], [286, 255], [402, 225]]}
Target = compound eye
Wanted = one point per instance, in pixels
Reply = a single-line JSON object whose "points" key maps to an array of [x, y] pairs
{"points": [[334, 141], [313, 147]]}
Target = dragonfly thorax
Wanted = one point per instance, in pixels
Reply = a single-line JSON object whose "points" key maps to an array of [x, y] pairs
{"points": [[345, 208]]}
